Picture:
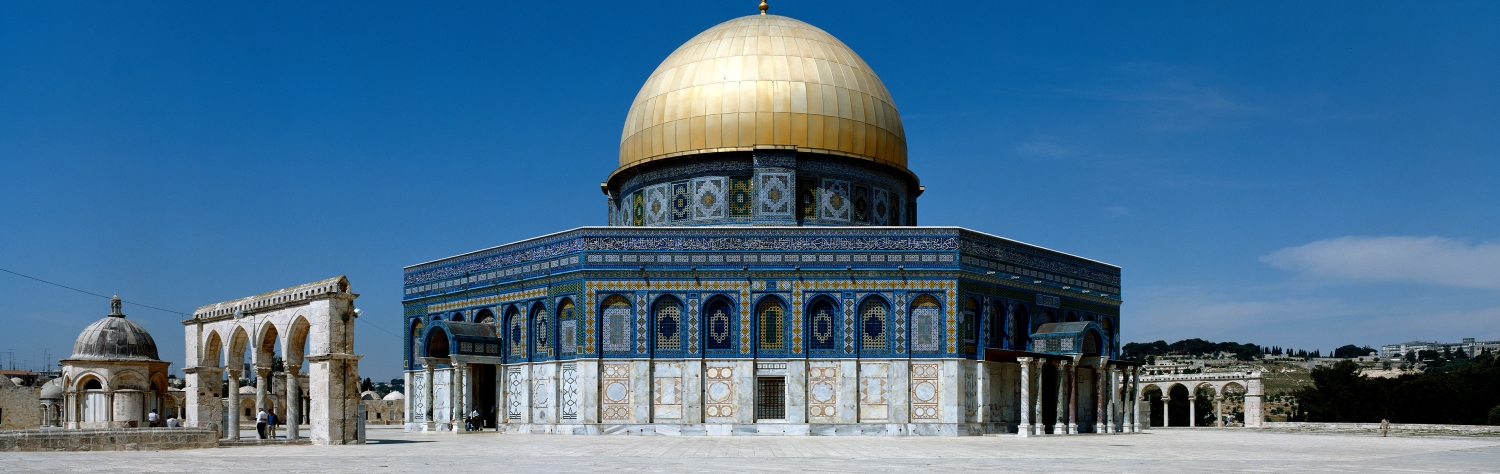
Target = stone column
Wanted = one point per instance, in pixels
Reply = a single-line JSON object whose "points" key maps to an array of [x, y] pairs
{"points": [[293, 404], [1025, 428], [1135, 396], [1100, 377], [1060, 426], [232, 432], [1193, 408], [1254, 391], [261, 382], [1166, 410], [1073, 398], [427, 367], [1111, 404]]}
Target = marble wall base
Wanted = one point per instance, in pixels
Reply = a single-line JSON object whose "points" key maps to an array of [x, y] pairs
{"points": [[763, 429]]}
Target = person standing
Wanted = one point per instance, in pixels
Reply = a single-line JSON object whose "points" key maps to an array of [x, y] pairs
{"points": [[152, 419], [271, 423], [1385, 426], [260, 424]]}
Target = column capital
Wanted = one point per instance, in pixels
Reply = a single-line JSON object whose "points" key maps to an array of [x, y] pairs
{"points": [[263, 370], [1024, 360], [235, 373]]}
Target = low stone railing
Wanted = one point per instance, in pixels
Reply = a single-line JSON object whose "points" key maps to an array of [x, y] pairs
{"points": [[1374, 428], [124, 439]]}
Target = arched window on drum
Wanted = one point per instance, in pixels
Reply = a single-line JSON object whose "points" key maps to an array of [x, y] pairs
{"points": [[770, 318], [718, 326], [668, 312], [872, 325], [567, 328], [615, 316], [823, 324], [926, 325]]}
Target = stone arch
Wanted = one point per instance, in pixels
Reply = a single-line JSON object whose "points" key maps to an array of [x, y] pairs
{"points": [[1177, 411], [1152, 395], [239, 341], [91, 381], [719, 324], [266, 342], [873, 311], [823, 325], [667, 328], [616, 319], [295, 349], [770, 324], [415, 335], [129, 380], [213, 348], [926, 320]]}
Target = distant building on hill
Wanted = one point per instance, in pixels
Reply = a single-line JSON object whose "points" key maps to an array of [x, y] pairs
{"points": [[1469, 346]]}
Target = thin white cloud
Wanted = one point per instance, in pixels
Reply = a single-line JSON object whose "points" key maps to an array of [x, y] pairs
{"points": [[1395, 259]]}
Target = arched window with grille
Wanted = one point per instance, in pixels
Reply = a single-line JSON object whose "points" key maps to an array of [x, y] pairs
{"points": [[668, 313], [823, 323], [541, 326], [616, 324], [872, 325], [770, 319], [515, 332], [567, 328], [718, 325], [926, 325]]}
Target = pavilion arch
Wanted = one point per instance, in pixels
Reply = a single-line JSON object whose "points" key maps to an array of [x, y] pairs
{"points": [[1093, 344], [435, 342], [213, 349], [92, 381], [823, 322], [666, 325], [770, 324], [485, 316], [129, 380], [873, 311], [457, 316], [1020, 327], [718, 324]]}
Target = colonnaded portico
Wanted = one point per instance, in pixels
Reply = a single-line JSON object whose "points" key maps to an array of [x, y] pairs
{"points": [[311, 323], [1160, 394]]}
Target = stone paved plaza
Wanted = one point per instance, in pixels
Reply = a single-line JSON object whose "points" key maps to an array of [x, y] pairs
{"points": [[1180, 450]]}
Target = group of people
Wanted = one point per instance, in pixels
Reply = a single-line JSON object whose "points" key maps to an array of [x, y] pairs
{"points": [[265, 423], [154, 420]]}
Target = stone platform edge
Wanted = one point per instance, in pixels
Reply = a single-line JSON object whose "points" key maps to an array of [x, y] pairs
{"points": [[754, 429], [1374, 428], [123, 439]]}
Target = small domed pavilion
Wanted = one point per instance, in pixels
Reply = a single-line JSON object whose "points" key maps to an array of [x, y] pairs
{"points": [[114, 377]]}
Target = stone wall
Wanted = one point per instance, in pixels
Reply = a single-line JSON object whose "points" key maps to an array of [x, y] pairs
{"points": [[19, 407], [1396, 428], [140, 439]]}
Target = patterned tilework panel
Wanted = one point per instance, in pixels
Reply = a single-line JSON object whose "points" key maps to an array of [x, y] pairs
{"points": [[657, 205], [681, 201], [617, 319], [874, 392], [926, 324], [741, 197], [666, 393], [924, 393], [970, 382], [834, 200], [642, 332], [568, 403], [880, 212], [709, 201], [419, 404], [860, 202], [718, 392], [614, 396], [774, 194], [543, 386], [822, 391], [515, 385]]}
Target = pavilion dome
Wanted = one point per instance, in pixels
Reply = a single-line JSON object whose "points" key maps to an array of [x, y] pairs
{"points": [[114, 338], [394, 396], [52, 390], [763, 82]]}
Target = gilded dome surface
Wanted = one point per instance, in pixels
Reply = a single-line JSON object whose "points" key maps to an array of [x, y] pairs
{"points": [[114, 338], [763, 81]]}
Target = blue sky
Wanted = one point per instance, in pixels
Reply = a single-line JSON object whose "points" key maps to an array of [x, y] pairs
{"points": [[1304, 174]]}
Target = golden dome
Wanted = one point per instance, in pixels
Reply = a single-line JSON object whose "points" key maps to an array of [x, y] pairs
{"points": [[763, 81]]}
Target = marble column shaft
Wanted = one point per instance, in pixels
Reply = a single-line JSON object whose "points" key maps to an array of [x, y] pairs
{"points": [[232, 431], [1099, 375], [1060, 424], [1025, 429], [293, 405], [1166, 411], [1135, 397], [1073, 399], [261, 374]]}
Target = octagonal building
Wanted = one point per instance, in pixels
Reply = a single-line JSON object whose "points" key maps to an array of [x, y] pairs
{"points": [[762, 272]]}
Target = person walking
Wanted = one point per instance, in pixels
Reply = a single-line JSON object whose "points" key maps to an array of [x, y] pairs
{"points": [[1385, 426], [260, 424]]}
